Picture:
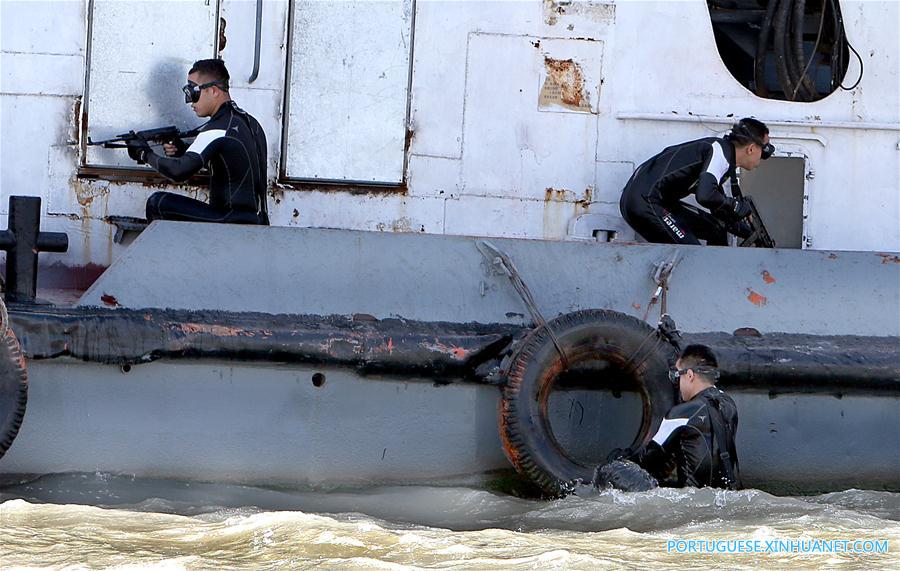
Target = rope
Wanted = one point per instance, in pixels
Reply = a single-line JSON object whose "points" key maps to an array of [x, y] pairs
{"points": [[632, 364], [4, 318], [500, 259]]}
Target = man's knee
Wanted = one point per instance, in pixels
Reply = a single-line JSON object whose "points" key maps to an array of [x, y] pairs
{"points": [[154, 212]]}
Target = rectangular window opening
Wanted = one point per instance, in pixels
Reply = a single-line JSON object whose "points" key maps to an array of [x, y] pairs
{"points": [[347, 94], [138, 56], [778, 188]]}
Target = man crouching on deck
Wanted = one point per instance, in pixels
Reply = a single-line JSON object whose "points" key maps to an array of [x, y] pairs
{"points": [[231, 145], [697, 436]]}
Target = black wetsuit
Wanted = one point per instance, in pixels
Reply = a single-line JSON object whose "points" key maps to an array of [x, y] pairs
{"points": [[651, 201], [688, 439], [232, 146]]}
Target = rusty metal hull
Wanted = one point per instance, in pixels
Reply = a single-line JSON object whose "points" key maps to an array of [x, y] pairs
{"points": [[394, 384], [271, 425]]}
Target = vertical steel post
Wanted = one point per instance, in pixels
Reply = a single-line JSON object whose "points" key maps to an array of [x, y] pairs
{"points": [[23, 240]]}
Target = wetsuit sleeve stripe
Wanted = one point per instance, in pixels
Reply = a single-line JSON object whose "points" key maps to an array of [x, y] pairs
{"points": [[204, 140], [667, 427], [718, 165], [178, 169], [708, 193]]}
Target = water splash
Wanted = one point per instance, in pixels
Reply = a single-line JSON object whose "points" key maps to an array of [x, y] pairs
{"points": [[207, 526]]}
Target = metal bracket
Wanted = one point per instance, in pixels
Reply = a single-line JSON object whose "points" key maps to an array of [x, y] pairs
{"points": [[125, 224], [662, 271]]}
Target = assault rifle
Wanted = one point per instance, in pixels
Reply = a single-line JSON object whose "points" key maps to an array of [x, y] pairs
{"points": [[159, 135], [759, 236]]}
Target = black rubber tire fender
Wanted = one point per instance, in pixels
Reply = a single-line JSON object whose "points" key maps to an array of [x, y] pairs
{"points": [[588, 335], [13, 389]]}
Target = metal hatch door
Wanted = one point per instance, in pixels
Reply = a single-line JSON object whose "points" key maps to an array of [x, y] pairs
{"points": [[348, 90], [139, 53]]}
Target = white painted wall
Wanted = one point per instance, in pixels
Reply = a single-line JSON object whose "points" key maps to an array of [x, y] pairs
{"points": [[485, 158]]}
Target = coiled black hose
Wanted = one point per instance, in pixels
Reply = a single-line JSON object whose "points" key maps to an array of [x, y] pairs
{"points": [[799, 57], [781, 59], [762, 47]]}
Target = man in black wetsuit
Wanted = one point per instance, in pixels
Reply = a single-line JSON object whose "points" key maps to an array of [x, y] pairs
{"points": [[231, 145], [696, 437], [651, 201]]}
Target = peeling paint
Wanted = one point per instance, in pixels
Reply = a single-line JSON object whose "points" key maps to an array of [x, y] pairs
{"points": [[756, 299], [767, 277], [552, 10], [109, 300], [888, 258], [564, 86], [219, 330], [594, 11], [402, 224], [585, 202], [222, 39], [410, 135], [458, 353], [75, 124], [85, 191]]}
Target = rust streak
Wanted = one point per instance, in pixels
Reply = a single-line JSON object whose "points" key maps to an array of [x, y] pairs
{"points": [[756, 299], [556, 195], [79, 122], [588, 198]]}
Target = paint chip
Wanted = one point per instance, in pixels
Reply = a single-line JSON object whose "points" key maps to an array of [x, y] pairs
{"points": [[109, 300], [756, 299], [564, 86]]}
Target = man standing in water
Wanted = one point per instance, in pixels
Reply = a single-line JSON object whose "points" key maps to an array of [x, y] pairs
{"points": [[231, 145], [696, 437], [651, 201]]}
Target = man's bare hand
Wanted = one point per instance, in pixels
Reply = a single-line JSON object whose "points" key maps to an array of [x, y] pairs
{"points": [[170, 149]]}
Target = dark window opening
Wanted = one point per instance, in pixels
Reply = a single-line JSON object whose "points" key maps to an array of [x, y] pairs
{"points": [[778, 189], [793, 50]]}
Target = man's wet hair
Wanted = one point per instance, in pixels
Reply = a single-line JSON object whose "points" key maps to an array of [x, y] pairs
{"points": [[212, 68], [701, 357], [748, 130]]}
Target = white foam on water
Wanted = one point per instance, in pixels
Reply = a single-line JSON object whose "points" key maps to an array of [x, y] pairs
{"points": [[170, 525]]}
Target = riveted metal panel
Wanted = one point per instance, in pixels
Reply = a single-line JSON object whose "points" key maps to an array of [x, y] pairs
{"points": [[139, 55], [348, 92]]}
